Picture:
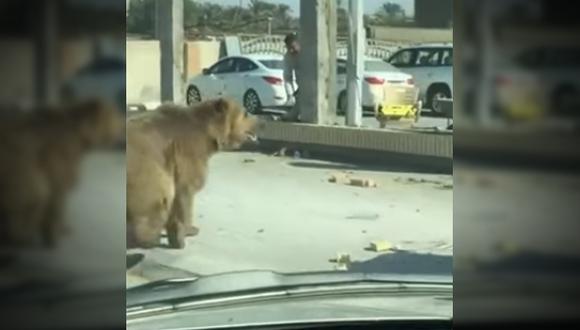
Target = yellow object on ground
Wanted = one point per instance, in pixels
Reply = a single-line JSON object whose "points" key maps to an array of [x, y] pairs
{"points": [[398, 101], [380, 246]]}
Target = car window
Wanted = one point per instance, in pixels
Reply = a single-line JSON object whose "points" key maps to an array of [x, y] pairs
{"points": [[273, 64], [379, 66], [403, 58], [447, 57], [244, 65], [372, 65], [428, 57], [340, 67], [224, 66]]}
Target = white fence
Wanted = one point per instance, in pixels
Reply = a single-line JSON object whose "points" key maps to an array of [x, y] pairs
{"points": [[274, 44]]}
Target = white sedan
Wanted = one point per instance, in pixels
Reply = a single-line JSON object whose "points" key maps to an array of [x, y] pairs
{"points": [[377, 73], [256, 81]]}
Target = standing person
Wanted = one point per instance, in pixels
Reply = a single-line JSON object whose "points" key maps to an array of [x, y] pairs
{"points": [[291, 74]]}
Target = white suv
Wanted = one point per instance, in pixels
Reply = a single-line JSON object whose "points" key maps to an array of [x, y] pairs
{"points": [[431, 65]]}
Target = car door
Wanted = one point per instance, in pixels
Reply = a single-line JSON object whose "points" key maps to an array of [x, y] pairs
{"points": [[213, 84], [444, 70], [237, 82], [404, 60], [424, 67]]}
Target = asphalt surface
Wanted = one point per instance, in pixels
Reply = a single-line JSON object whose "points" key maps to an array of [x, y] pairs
{"points": [[279, 213]]}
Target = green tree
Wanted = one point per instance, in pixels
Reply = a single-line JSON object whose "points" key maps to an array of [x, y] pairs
{"points": [[389, 13], [141, 17], [206, 18]]}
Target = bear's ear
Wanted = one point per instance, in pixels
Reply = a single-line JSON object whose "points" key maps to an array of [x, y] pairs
{"points": [[221, 105]]}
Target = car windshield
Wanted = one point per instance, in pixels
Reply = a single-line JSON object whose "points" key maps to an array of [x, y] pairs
{"points": [[379, 66], [273, 64], [273, 176]]}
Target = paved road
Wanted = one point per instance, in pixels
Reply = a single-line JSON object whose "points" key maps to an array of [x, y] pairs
{"points": [[282, 214]]}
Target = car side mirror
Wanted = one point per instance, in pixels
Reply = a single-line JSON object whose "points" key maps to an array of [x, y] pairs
{"points": [[205, 71]]}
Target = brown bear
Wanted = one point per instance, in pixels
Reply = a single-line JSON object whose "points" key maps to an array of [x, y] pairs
{"points": [[40, 159], [167, 158]]}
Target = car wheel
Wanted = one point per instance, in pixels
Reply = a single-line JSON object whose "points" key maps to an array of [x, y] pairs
{"points": [[252, 102], [341, 104], [193, 95], [436, 93]]}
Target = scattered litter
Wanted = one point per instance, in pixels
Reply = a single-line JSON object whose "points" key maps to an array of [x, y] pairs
{"points": [[362, 183], [364, 231], [342, 261], [380, 246], [363, 216], [417, 210], [249, 160], [280, 153], [260, 230], [339, 178], [344, 178], [447, 186]]}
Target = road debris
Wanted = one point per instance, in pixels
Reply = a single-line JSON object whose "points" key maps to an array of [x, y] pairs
{"points": [[364, 216], [381, 246], [344, 178], [280, 153], [248, 160], [261, 230], [342, 261]]}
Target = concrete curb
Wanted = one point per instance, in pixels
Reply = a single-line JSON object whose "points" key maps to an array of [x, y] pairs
{"points": [[439, 145]]}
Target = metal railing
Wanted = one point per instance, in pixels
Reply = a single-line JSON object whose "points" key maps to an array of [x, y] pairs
{"points": [[274, 44]]}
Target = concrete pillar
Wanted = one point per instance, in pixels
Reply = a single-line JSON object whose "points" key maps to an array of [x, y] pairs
{"points": [[170, 18], [355, 63], [459, 115], [314, 67], [486, 41], [47, 53], [332, 31]]}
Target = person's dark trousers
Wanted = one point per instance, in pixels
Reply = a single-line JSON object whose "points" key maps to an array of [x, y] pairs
{"points": [[294, 113]]}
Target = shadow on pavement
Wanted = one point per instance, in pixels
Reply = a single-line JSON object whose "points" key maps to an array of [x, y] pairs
{"points": [[339, 164], [133, 259], [404, 262]]}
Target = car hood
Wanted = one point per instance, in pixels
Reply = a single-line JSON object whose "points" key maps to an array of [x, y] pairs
{"points": [[300, 312], [233, 283]]}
